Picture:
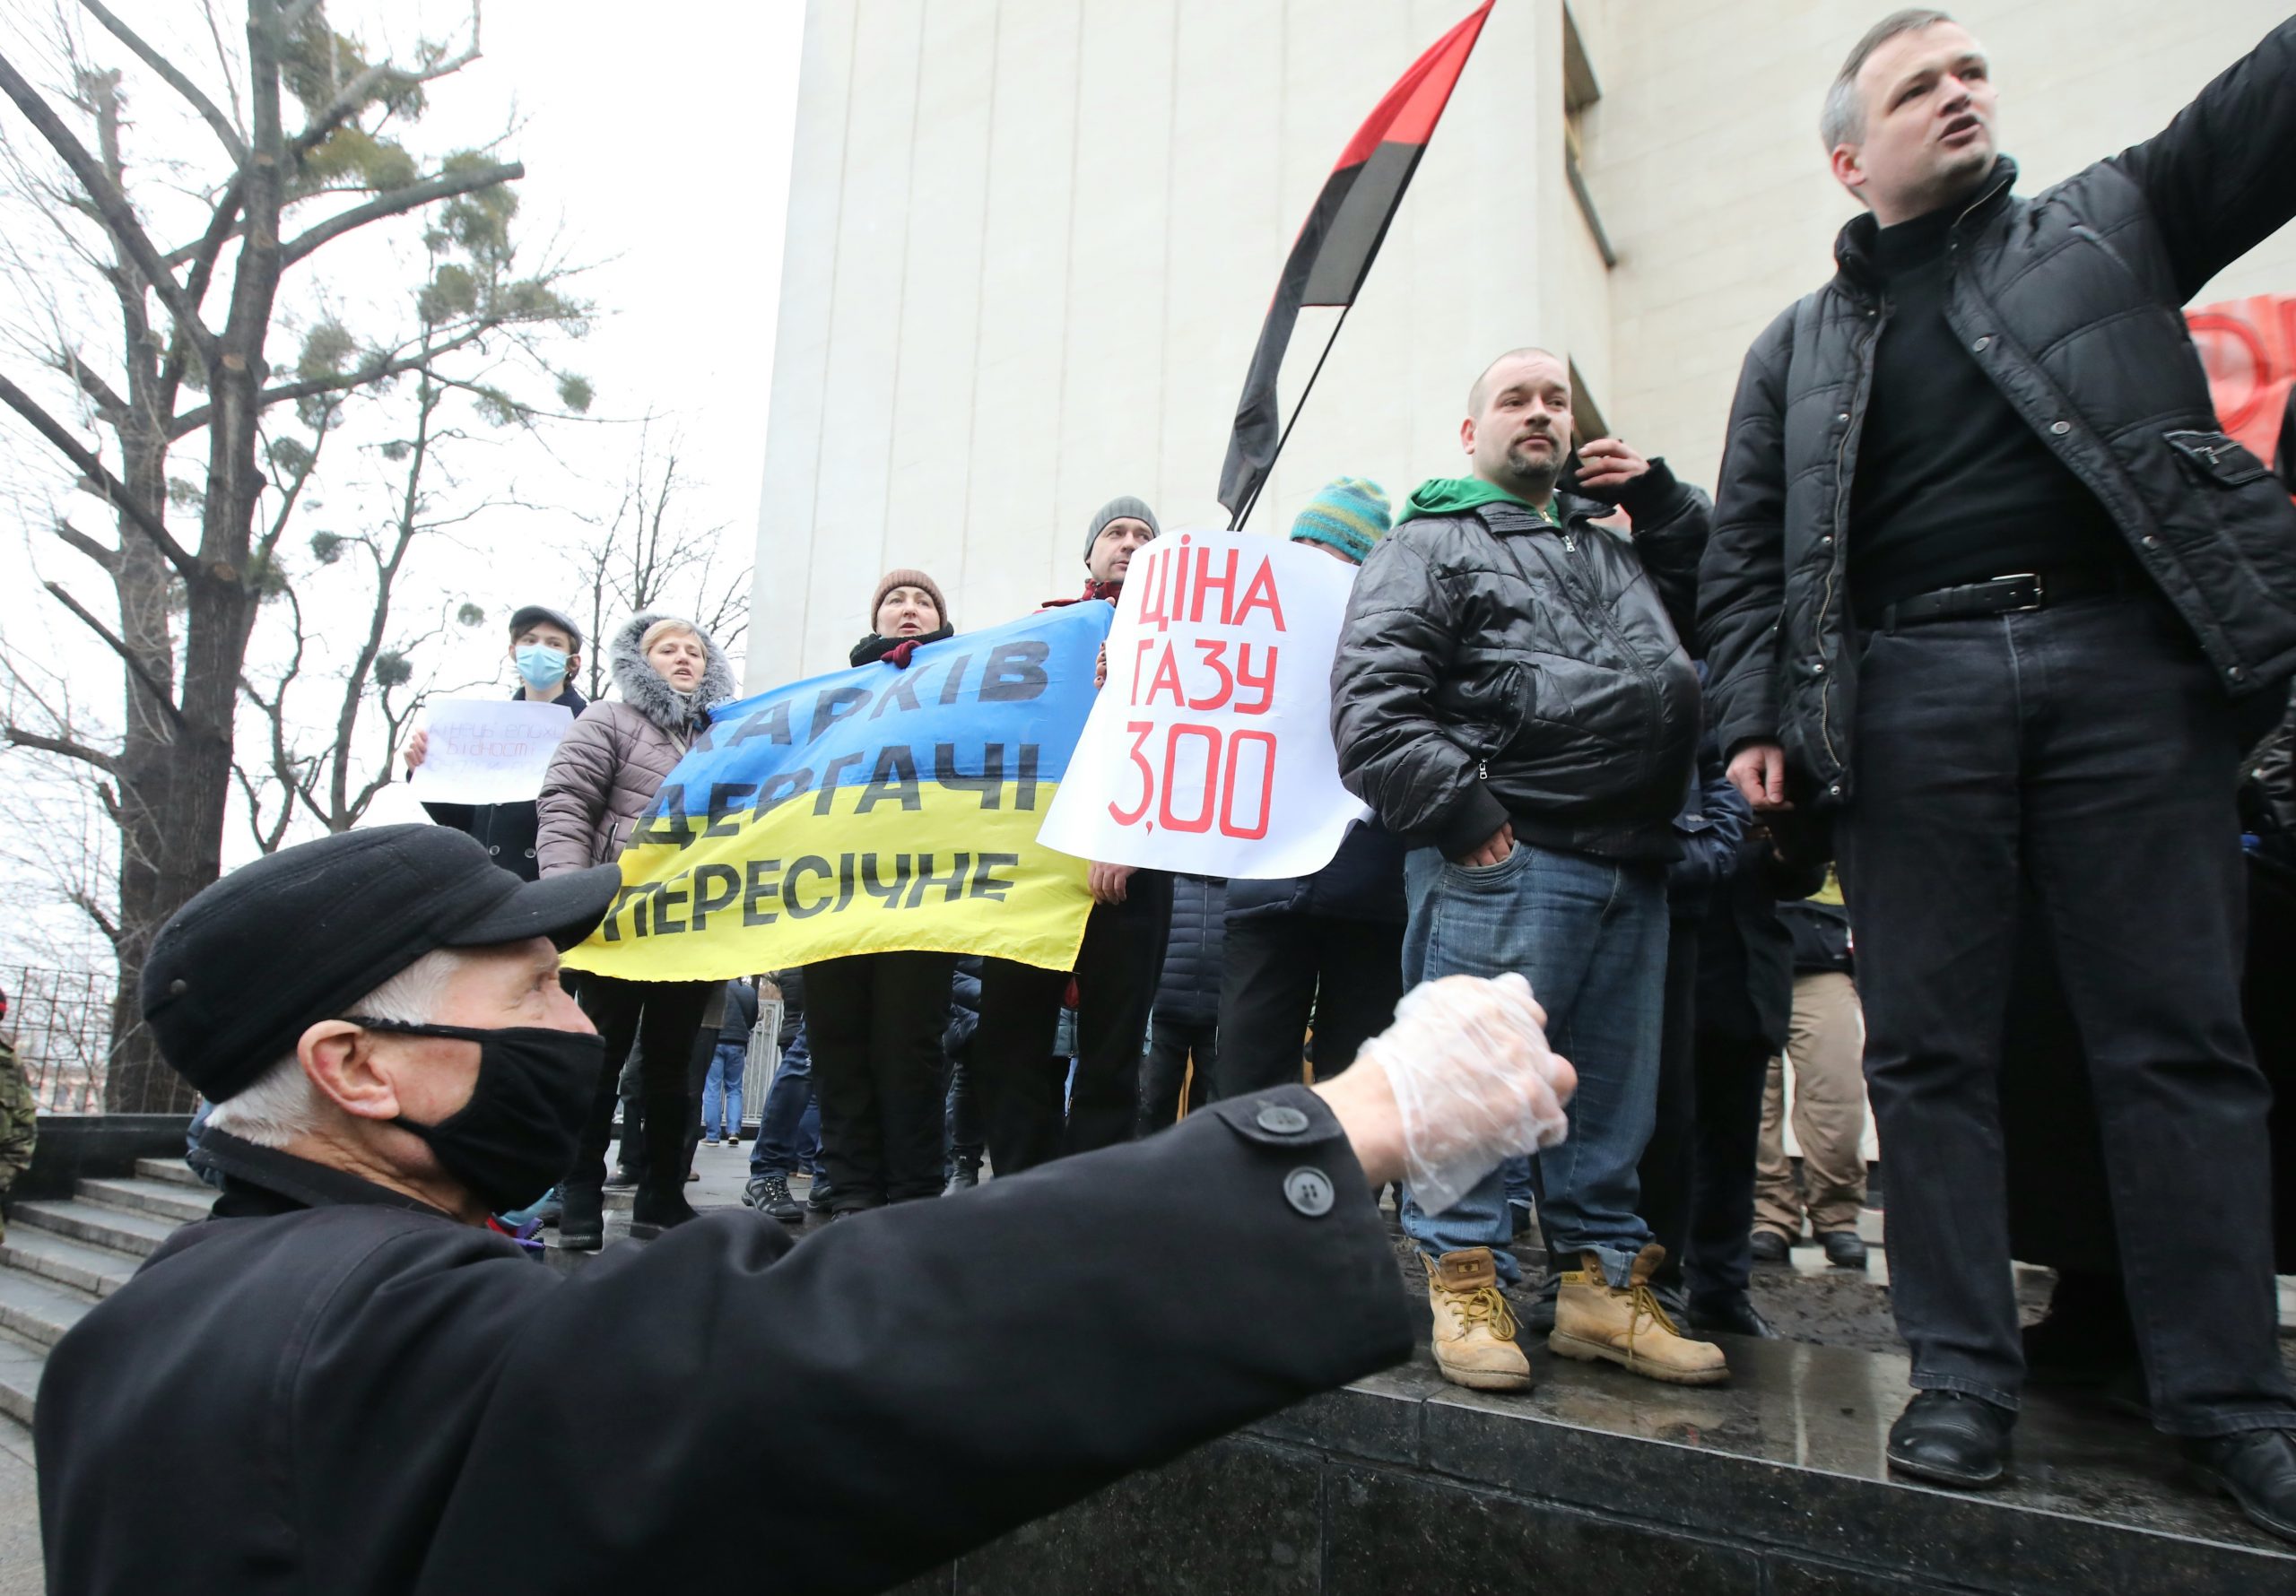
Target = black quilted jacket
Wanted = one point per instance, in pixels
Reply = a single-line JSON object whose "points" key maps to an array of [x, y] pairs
{"points": [[2071, 302], [1494, 668]]}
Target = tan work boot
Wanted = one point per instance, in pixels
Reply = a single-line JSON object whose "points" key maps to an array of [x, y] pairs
{"points": [[1594, 1319], [1475, 1331]]}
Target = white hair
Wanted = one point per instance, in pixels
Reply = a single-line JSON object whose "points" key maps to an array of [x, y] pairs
{"points": [[283, 1104]]}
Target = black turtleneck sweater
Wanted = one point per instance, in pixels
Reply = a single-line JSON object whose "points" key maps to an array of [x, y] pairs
{"points": [[1952, 486]]}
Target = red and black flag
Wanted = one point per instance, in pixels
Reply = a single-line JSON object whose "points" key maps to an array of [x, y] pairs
{"points": [[1337, 245]]}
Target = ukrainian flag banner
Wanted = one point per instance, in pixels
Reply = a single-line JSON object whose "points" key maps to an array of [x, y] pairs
{"points": [[873, 811]]}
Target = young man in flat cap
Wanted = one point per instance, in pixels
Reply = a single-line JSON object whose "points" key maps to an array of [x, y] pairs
{"points": [[343, 1381], [1012, 1067], [547, 652]]}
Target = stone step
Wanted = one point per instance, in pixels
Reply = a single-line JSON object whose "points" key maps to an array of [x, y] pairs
{"points": [[41, 1311], [123, 1231], [97, 1271], [21, 1366], [160, 1199], [173, 1172]]}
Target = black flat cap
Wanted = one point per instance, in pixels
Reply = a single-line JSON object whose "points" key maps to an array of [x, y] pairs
{"points": [[244, 968]]}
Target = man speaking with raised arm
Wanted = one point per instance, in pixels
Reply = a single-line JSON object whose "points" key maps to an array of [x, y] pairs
{"points": [[1988, 589]]}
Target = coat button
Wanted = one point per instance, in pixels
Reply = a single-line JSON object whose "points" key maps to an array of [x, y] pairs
{"points": [[1309, 1191], [1826, 541], [1982, 344], [1282, 1119], [2151, 542], [2235, 674], [1834, 791], [1843, 418], [2060, 427], [1819, 669]]}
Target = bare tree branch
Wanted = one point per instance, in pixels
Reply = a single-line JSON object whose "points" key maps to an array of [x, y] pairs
{"points": [[175, 79], [159, 694], [193, 420], [118, 217], [114, 492], [399, 201], [24, 738], [103, 554], [109, 406], [354, 94]]}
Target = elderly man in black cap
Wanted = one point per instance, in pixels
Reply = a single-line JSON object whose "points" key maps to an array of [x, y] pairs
{"points": [[342, 1382], [546, 654]]}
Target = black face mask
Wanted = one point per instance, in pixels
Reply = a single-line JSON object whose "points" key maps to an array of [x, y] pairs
{"points": [[517, 1136]]}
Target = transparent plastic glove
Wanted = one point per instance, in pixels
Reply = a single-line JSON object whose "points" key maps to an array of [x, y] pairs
{"points": [[1475, 1081]]}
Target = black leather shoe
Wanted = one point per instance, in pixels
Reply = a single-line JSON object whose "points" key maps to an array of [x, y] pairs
{"points": [[817, 1200], [1732, 1316], [1844, 1249], [1948, 1438], [2257, 1470], [1769, 1247]]}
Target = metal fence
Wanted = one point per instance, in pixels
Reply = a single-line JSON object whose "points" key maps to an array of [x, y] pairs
{"points": [[764, 1058], [61, 1023]]}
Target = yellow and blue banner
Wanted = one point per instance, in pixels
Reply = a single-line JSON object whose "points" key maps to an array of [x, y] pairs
{"points": [[871, 811]]}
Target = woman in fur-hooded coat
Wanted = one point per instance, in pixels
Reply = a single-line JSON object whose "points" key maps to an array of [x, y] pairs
{"points": [[667, 674]]}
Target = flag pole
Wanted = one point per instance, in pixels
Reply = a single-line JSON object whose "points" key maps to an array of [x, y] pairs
{"points": [[1298, 405]]}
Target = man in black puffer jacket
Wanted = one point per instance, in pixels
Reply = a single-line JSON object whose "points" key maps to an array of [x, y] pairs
{"points": [[1511, 697], [1989, 588], [1184, 1032]]}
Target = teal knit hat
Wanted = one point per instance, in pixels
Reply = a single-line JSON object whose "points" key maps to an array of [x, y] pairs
{"points": [[1350, 513]]}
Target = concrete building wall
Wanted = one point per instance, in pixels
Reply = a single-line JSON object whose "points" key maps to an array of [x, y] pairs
{"points": [[1030, 243]]}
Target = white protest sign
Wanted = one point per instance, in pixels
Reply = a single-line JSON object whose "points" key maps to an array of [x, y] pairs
{"points": [[1209, 750], [488, 750]]}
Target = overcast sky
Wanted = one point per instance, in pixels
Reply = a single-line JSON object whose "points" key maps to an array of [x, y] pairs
{"points": [[657, 142]]}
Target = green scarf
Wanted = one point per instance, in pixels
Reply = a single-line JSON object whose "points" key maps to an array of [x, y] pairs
{"points": [[1449, 496]]}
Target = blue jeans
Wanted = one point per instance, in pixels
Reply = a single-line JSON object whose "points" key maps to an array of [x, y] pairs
{"points": [[1590, 936], [789, 1123], [721, 1090]]}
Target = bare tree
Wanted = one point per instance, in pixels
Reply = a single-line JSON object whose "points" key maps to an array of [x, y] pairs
{"points": [[270, 197], [646, 554], [334, 783]]}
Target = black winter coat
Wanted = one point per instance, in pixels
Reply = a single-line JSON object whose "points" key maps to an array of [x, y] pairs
{"points": [[509, 831], [1713, 822], [964, 1008], [1745, 956], [1494, 668], [741, 1013], [1189, 990], [1363, 882], [2071, 302], [1820, 932], [330, 1387]]}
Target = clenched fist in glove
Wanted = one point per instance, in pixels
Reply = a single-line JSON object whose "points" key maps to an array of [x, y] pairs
{"points": [[1461, 1082]]}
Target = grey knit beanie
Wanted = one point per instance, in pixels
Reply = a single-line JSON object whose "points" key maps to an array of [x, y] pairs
{"points": [[1117, 509]]}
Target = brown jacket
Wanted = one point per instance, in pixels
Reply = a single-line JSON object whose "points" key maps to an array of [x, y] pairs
{"points": [[613, 762]]}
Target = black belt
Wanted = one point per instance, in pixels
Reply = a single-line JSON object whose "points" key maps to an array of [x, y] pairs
{"points": [[2004, 595]]}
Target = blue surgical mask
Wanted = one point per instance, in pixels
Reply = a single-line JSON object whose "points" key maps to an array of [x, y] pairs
{"points": [[541, 667]]}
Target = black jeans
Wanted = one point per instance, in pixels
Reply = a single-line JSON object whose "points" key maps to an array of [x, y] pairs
{"points": [[2086, 747], [1173, 1047], [1013, 1068], [661, 1018], [1287, 975], [874, 1022]]}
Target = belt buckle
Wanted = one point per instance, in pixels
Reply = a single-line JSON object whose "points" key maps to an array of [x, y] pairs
{"points": [[2040, 587]]}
